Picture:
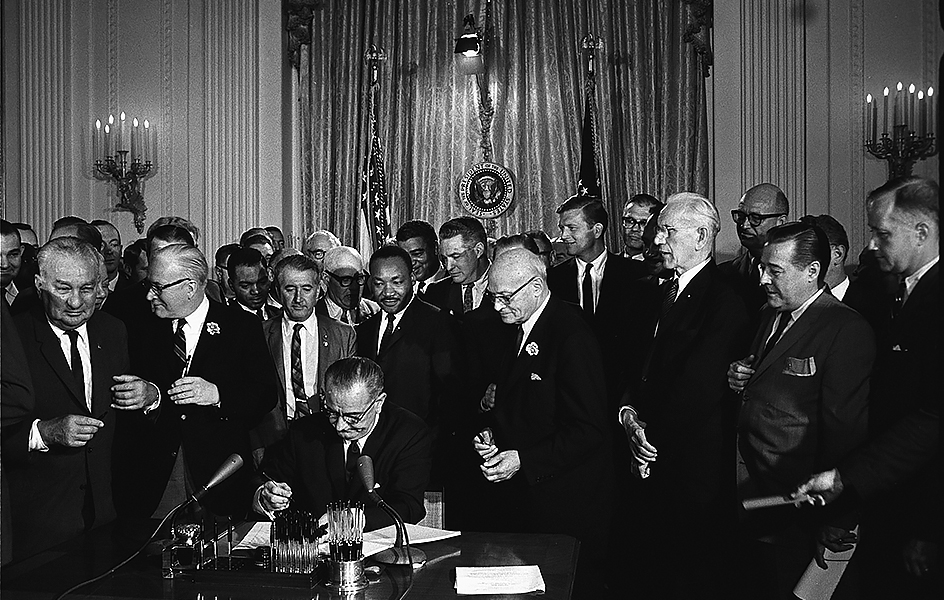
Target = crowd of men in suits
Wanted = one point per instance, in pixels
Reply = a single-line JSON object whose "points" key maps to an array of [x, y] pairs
{"points": [[628, 398]]}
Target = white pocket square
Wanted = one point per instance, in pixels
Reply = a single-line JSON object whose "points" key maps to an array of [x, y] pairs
{"points": [[800, 367], [535, 377]]}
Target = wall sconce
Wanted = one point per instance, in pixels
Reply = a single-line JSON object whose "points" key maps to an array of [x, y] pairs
{"points": [[909, 136], [470, 49], [124, 150]]}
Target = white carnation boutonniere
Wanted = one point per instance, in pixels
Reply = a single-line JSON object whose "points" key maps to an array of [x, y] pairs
{"points": [[213, 328], [532, 349]]}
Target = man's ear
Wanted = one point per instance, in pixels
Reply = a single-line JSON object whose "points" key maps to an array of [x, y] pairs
{"points": [[922, 231], [597, 230], [479, 249]]}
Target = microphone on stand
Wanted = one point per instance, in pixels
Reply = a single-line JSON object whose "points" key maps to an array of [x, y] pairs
{"points": [[401, 553], [232, 464]]}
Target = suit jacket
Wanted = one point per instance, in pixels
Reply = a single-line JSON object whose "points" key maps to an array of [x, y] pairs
{"points": [[745, 279], [337, 342], [311, 461], [683, 395], [48, 491], [806, 405], [236, 360], [610, 317], [550, 407], [365, 308], [268, 310]]}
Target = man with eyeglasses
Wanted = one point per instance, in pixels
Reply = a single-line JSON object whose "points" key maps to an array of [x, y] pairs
{"points": [[761, 208], [216, 380], [317, 463], [678, 413], [344, 278], [636, 213], [318, 244]]}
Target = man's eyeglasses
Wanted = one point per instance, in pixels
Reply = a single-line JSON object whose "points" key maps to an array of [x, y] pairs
{"points": [[633, 223], [158, 289], [350, 419], [347, 280], [755, 219], [316, 254], [506, 299]]}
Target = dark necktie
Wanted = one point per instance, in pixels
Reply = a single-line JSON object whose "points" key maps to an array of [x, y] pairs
{"points": [[785, 320], [671, 291], [518, 339], [421, 287], [77, 372], [180, 344], [899, 299], [298, 379], [353, 453], [467, 301], [261, 314], [385, 340], [588, 290]]}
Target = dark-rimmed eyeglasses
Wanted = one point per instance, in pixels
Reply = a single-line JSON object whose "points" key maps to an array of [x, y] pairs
{"points": [[317, 253], [505, 299], [350, 419], [347, 280], [158, 289], [632, 223], [755, 219]]}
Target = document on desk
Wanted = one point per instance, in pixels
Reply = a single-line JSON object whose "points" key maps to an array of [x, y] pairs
{"points": [[524, 579]]}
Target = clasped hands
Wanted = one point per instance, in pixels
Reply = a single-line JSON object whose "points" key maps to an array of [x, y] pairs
{"points": [[497, 465], [644, 453]]}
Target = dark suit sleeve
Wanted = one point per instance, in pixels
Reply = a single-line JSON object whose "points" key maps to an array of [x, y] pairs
{"points": [[252, 390], [16, 392], [407, 480]]}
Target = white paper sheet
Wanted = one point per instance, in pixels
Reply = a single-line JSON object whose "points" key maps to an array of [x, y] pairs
{"points": [[525, 579], [819, 584]]}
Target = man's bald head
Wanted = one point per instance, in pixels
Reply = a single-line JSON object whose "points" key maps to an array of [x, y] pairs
{"points": [[518, 282], [343, 257], [344, 276], [761, 208]]}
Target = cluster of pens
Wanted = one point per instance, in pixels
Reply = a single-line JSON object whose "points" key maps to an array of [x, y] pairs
{"points": [[346, 531], [294, 538]]}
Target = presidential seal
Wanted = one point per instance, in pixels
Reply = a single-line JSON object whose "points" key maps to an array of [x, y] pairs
{"points": [[486, 190]]}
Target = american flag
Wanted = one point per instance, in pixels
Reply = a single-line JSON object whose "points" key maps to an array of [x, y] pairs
{"points": [[588, 180], [375, 209]]}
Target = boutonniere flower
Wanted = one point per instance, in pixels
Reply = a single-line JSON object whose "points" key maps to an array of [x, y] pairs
{"points": [[213, 328], [532, 349]]}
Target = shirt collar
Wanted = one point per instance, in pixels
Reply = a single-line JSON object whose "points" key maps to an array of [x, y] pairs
{"points": [[528, 325], [81, 329], [310, 324], [599, 263], [912, 280], [839, 290], [796, 314], [196, 319], [685, 278]]}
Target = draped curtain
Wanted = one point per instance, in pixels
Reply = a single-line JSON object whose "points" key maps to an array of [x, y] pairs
{"points": [[651, 106]]}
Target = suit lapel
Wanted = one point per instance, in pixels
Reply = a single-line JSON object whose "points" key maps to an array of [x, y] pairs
{"points": [[797, 332], [274, 339], [206, 342], [101, 384], [52, 352], [407, 321]]}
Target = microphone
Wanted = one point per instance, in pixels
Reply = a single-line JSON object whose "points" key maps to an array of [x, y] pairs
{"points": [[232, 464], [395, 555]]}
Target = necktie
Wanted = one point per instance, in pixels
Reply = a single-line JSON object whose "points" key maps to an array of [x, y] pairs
{"points": [[518, 339], [298, 379], [467, 298], [899, 299], [180, 344], [261, 314], [385, 340], [77, 372], [671, 291], [420, 287], [781, 327], [344, 318], [588, 290], [353, 453]]}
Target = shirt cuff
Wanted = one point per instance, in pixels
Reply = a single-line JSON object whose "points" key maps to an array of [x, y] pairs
{"points": [[157, 403], [626, 409], [36, 443], [257, 504]]}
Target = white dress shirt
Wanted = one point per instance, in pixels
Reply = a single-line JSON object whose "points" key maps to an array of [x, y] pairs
{"points": [[528, 325], [396, 323], [309, 335], [840, 290], [912, 280], [596, 276]]}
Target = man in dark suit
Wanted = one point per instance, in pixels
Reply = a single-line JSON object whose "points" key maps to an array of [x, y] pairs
{"points": [[679, 414], [899, 471], [111, 251], [596, 280], [419, 239], [317, 462], [78, 360], [344, 280], [11, 253], [548, 441], [249, 279], [301, 357], [636, 214], [804, 390], [216, 380], [760, 208]]}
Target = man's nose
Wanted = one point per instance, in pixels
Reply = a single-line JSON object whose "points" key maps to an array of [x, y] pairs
{"points": [[872, 244], [764, 277]]}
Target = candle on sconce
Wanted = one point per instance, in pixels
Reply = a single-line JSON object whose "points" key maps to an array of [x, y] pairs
{"points": [[868, 119], [97, 142], [911, 109], [885, 114], [122, 133], [899, 107], [110, 147], [108, 142], [932, 113], [146, 152], [135, 140], [922, 114]]}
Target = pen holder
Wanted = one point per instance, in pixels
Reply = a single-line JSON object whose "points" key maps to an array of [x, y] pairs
{"points": [[345, 543], [347, 576]]}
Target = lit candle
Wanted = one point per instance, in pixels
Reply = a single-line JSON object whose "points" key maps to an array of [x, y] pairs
{"points": [[135, 142], [122, 133], [108, 137], [899, 107], [97, 141], [147, 141], [868, 119], [885, 114], [932, 113], [911, 108], [110, 147], [922, 117]]}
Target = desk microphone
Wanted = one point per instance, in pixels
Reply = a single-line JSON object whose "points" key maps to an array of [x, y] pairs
{"points": [[232, 464], [401, 553]]}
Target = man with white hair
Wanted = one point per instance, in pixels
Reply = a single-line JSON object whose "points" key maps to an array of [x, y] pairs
{"points": [[678, 412], [344, 278], [318, 244]]}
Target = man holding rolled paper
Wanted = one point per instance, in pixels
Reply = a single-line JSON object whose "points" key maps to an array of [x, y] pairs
{"points": [[317, 463]]}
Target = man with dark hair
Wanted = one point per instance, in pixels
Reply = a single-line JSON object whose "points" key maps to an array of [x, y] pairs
{"points": [[760, 208], [222, 274], [636, 213], [419, 239], [216, 380], [543, 242], [111, 250], [303, 345], [27, 235], [416, 344], [249, 278], [261, 243], [193, 232], [28, 268], [804, 389], [836, 277], [11, 252], [317, 463], [275, 234], [134, 262], [463, 253]]}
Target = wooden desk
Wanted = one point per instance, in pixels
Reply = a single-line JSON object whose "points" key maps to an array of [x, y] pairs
{"points": [[45, 575]]}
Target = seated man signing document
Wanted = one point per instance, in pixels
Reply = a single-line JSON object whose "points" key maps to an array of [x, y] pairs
{"points": [[317, 462]]}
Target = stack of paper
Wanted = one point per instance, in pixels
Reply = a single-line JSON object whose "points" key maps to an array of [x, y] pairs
{"points": [[525, 579]]}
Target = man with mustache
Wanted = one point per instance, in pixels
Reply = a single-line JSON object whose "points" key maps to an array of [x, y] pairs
{"points": [[303, 345], [344, 280]]}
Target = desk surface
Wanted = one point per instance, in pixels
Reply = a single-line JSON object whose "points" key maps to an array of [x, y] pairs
{"points": [[51, 572]]}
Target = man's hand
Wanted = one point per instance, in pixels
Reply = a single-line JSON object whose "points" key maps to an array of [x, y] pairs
{"points": [[835, 539], [644, 452], [502, 466], [739, 373], [488, 400], [194, 390], [919, 556], [826, 486], [485, 444], [275, 496], [72, 431], [132, 393]]}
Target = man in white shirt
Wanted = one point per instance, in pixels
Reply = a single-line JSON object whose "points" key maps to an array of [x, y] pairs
{"points": [[111, 251], [249, 280], [11, 253], [344, 280], [836, 277], [636, 213]]}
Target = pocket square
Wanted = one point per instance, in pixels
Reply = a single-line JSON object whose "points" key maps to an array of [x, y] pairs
{"points": [[800, 367], [897, 348], [535, 377]]}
